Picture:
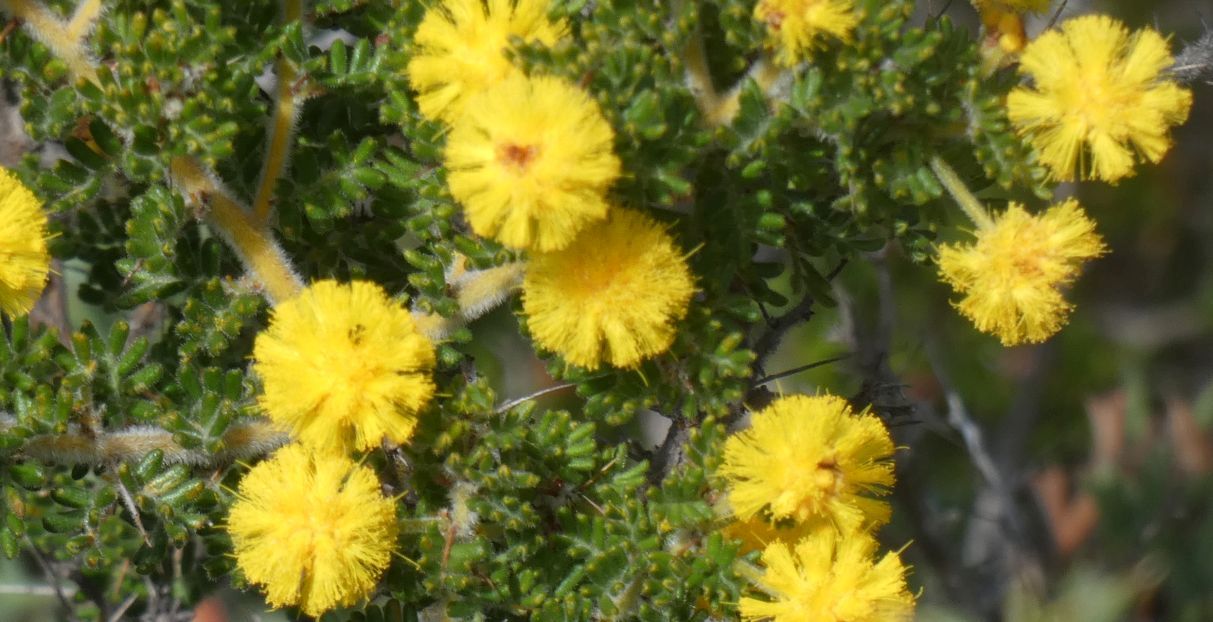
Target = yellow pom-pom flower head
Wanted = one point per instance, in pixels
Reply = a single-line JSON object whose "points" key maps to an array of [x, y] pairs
{"points": [[613, 295], [344, 366], [313, 530], [24, 260], [810, 459], [796, 27], [1098, 95], [461, 49], [531, 162], [831, 577], [1011, 276]]}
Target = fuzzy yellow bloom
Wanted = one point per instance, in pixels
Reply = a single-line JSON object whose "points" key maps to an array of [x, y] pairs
{"points": [[24, 260], [757, 533], [531, 162], [1011, 276], [313, 530], [461, 49], [612, 296], [1099, 90], [344, 366], [831, 577], [796, 27], [810, 459]]}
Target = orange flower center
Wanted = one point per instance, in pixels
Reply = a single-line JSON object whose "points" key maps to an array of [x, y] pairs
{"points": [[517, 157]]}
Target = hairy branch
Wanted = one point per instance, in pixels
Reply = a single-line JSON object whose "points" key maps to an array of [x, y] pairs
{"points": [[1195, 62], [50, 29], [282, 126]]}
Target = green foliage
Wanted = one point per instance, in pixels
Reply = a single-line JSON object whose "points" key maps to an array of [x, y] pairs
{"points": [[524, 512]]}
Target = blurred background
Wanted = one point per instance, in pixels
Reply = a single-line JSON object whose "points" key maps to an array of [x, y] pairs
{"points": [[1067, 481]]}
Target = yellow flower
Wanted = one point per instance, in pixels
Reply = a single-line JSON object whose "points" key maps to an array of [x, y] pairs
{"points": [[810, 459], [531, 162], [831, 577], [1100, 90], [344, 366], [461, 49], [24, 261], [1011, 276], [312, 529], [612, 295], [798, 26], [757, 532]]}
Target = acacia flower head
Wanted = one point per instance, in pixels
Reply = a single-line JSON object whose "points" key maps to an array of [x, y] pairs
{"points": [[613, 295], [461, 49], [313, 530], [531, 162], [1098, 95], [796, 27], [757, 533], [24, 260], [344, 366], [810, 459], [831, 576], [1011, 276]]}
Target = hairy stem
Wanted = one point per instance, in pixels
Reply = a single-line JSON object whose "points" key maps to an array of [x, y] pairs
{"points": [[282, 125], [959, 191], [763, 72], [48, 28], [478, 292], [240, 442], [252, 242], [84, 19]]}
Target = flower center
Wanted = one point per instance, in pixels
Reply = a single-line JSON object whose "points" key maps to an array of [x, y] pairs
{"points": [[517, 157], [828, 476]]}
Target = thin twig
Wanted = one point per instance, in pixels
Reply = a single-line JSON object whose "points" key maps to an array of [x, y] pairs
{"points": [[129, 502], [116, 616], [505, 406], [55, 581], [797, 370]]}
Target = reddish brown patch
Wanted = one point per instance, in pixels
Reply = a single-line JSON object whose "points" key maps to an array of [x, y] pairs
{"points": [[517, 156], [774, 20]]}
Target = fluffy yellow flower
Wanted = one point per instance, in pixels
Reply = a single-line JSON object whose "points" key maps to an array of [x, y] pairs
{"points": [[531, 162], [312, 529], [612, 295], [796, 27], [344, 366], [1097, 89], [461, 49], [810, 459], [757, 533], [1011, 276], [24, 261], [831, 577]]}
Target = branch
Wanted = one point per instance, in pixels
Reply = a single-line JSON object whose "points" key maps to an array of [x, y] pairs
{"points": [[48, 28], [797, 370], [282, 126], [508, 404], [241, 442], [478, 292], [252, 242], [84, 19]]}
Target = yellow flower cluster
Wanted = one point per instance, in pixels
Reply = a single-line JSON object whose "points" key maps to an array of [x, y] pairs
{"points": [[831, 577], [532, 159], [1011, 276], [1098, 96], [796, 27], [462, 45], [313, 529], [24, 260], [803, 481], [343, 367]]}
